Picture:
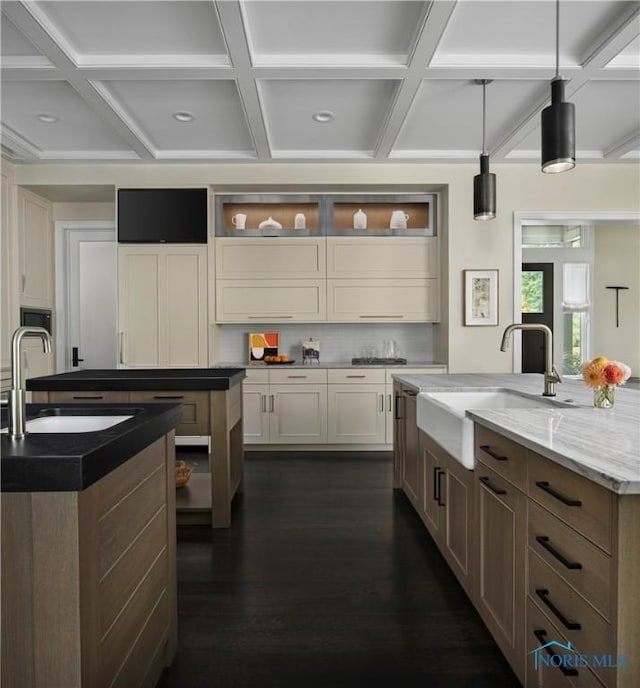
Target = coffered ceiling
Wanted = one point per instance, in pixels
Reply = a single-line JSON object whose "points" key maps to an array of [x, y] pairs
{"points": [[395, 76]]}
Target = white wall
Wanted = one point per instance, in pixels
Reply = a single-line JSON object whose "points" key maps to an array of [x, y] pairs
{"points": [[84, 211], [471, 245], [617, 263]]}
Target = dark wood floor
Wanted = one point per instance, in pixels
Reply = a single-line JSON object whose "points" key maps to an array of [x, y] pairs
{"points": [[327, 578]]}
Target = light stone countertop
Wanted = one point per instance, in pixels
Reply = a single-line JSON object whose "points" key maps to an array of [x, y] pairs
{"points": [[600, 444]]}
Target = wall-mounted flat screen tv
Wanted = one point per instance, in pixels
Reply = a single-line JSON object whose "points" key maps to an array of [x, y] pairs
{"points": [[172, 216]]}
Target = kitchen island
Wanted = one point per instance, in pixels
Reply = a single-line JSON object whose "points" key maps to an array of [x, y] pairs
{"points": [[542, 527], [89, 548], [212, 405]]}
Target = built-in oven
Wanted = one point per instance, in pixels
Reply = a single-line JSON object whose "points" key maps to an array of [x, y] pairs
{"points": [[36, 317]]}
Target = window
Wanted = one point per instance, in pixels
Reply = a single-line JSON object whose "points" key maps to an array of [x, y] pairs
{"points": [[532, 284], [554, 236]]}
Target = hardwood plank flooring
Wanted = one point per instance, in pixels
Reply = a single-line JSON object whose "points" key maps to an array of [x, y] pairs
{"points": [[326, 578]]}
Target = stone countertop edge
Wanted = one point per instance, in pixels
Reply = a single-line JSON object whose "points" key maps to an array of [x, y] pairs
{"points": [[601, 445], [71, 462], [140, 379]]}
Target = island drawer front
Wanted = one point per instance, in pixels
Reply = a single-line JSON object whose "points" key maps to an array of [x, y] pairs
{"points": [[195, 408], [258, 376], [564, 607], [357, 376], [88, 397], [584, 566], [505, 457], [539, 632], [580, 502], [297, 376]]}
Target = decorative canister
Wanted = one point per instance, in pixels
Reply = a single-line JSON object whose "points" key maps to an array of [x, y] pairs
{"points": [[360, 219], [310, 352], [300, 221]]}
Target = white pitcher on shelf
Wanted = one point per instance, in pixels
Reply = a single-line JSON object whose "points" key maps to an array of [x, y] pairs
{"points": [[360, 219]]}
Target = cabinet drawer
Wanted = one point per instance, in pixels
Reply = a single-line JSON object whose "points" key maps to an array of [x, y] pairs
{"points": [[111, 397], [357, 376], [540, 672], [297, 376], [578, 561], [195, 408], [505, 457], [577, 501], [257, 375], [569, 612]]}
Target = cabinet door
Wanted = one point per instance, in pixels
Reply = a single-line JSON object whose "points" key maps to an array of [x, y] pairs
{"points": [[255, 414], [298, 414], [270, 258], [431, 507], [373, 258], [36, 250], [458, 539], [411, 465], [139, 275], [183, 313], [356, 414], [8, 268], [267, 301], [382, 300], [500, 591]]}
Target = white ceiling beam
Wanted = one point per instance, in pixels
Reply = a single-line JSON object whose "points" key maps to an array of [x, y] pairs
{"points": [[612, 40], [623, 145], [234, 31], [434, 23], [19, 145]]}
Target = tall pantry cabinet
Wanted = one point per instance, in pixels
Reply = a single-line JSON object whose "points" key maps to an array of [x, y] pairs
{"points": [[162, 305]]}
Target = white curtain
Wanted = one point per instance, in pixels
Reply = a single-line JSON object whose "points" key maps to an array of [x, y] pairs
{"points": [[575, 287]]}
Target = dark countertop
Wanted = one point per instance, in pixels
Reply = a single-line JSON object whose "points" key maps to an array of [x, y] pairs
{"points": [[69, 462], [139, 379]]}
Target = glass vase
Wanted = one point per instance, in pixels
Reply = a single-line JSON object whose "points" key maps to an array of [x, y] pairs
{"points": [[604, 397]]}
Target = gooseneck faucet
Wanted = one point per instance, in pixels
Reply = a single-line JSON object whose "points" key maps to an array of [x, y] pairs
{"points": [[18, 394], [551, 374]]}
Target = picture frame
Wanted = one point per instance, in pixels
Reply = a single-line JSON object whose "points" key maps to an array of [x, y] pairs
{"points": [[480, 298]]}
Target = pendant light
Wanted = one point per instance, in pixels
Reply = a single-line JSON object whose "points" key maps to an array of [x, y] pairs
{"points": [[558, 122], [484, 184]]}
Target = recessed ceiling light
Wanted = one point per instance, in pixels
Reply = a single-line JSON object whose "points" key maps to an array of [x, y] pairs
{"points": [[323, 116], [183, 116], [47, 118]]}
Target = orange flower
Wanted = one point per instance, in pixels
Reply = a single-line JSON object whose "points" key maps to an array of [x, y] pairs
{"points": [[594, 375], [613, 373]]}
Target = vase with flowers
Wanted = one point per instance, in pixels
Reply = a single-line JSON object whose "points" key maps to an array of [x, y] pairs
{"points": [[603, 376]]}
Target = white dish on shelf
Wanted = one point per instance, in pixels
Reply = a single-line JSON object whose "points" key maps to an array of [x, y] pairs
{"points": [[269, 223]]}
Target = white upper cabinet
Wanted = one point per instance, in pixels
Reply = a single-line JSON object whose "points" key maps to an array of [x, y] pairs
{"points": [[376, 257], [35, 241]]}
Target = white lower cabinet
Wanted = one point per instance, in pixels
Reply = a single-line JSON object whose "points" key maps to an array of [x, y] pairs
{"points": [[356, 406], [341, 406]]}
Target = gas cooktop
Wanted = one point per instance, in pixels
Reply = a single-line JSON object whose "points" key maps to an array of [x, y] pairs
{"points": [[378, 361]]}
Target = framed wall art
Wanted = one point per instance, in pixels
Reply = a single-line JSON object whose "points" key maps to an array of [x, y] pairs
{"points": [[480, 297]]}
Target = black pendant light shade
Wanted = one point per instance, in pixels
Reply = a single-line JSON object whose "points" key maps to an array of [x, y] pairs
{"points": [[484, 184], [558, 132], [484, 192], [558, 123]]}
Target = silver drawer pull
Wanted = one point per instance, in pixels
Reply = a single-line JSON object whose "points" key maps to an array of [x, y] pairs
{"points": [[267, 317], [382, 316], [297, 377], [355, 376]]}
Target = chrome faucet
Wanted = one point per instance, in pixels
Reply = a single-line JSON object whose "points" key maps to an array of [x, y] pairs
{"points": [[551, 374], [18, 394]]}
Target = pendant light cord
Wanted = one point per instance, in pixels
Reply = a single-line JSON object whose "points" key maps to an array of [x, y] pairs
{"points": [[557, 39], [484, 115]]}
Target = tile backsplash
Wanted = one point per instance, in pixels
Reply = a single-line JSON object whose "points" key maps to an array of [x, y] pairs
{"points": [[338, 342]]}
